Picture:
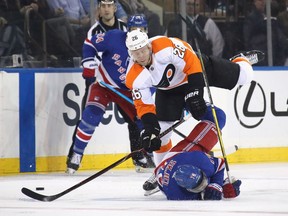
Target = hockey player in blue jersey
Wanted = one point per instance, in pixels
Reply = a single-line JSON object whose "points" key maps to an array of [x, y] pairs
{"points": [[195, 175], [111, 70], [188, 172], [108, 21]]}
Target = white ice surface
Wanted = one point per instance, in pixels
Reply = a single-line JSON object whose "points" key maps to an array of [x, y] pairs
{"points": [[264, 192]]}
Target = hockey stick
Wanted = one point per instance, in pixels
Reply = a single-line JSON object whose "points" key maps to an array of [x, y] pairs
{"points": [[115, 91], [47, 198], [213, 112], [129, 100], [229, 150]]}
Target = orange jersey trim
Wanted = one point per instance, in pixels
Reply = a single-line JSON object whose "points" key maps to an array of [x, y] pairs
{"points": [[193, 64], [142, 108], [160, 44], [136, 70], [165, 148], [239, 59]]}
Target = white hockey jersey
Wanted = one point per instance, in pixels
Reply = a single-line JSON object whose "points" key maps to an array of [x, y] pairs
{"points": [[172, 61]]}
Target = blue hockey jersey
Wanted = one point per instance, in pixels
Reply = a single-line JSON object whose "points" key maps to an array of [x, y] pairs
{"points": [[115, 58], [213, 168]]}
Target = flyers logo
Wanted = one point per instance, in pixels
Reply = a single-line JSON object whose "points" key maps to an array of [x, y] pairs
{"points": [[168, 75]]}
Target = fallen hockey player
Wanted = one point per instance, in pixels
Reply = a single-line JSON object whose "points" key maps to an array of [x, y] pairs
{"points": [[188, 172]]}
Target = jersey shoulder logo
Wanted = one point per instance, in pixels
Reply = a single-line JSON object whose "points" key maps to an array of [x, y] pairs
{"points": [[100, 37]]}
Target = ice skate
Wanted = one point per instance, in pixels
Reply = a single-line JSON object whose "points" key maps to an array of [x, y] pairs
{"points": [[73, 163], [150, 186], [253, 56], [143, 163]]}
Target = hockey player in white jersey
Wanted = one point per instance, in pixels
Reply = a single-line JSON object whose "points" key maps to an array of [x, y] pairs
{"points": [[173, 67]]}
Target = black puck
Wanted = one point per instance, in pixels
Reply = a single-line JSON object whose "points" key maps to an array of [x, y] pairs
{"points": [[39, 188]]}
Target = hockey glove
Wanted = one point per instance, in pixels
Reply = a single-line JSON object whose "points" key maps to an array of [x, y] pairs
{"points": [[149, 135], [89, 81], [231, 190], [196, 103], [88, 72], [213, 192], [194, 95]]}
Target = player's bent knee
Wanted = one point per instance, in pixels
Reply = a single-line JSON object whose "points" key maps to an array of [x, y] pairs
{"points": [[92, 115], [221, 116], [205, 135], [246, 73]]}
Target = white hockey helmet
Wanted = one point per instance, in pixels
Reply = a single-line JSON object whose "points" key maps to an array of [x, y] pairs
{"points": [[106, 2], [136, 39]]}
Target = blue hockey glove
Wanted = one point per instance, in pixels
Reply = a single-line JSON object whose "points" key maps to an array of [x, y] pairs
{"points": [[213, 192], [149, 135], [231, 190]]}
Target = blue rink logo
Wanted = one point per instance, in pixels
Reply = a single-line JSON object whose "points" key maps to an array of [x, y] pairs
{"points": [[251, 105]]}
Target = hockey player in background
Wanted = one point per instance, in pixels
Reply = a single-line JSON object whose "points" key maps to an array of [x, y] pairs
{"points": [[112, 70], [108, 21], [173, 68]]}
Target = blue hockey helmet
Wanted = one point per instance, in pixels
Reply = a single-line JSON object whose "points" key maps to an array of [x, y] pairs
{"points": [[137, 21], [191, 178]]}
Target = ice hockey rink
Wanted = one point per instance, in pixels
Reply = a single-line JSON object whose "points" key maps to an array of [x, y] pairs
{"points": [[264, 192]]}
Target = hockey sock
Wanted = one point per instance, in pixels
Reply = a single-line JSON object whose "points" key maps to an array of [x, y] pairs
{"points": [[91, 117], [134, 137], [203, 138], [246, 73], [159, 155]]}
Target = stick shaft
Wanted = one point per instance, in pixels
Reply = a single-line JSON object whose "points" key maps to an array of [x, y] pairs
{"points": [[116, 92], [213, 112], [45, 198]]}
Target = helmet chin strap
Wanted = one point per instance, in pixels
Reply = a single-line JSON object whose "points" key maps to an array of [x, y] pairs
{"points": [[150, 58]]}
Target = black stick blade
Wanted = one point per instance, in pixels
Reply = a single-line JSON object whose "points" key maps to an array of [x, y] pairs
{"points": [[38, 196]]}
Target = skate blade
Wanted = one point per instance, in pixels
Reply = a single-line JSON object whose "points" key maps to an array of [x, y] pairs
{"points": [[70, 171], [140, 169], [151, 192]]}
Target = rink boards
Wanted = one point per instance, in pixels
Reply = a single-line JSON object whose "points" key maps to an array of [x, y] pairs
{"points": [[40, 108]]}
